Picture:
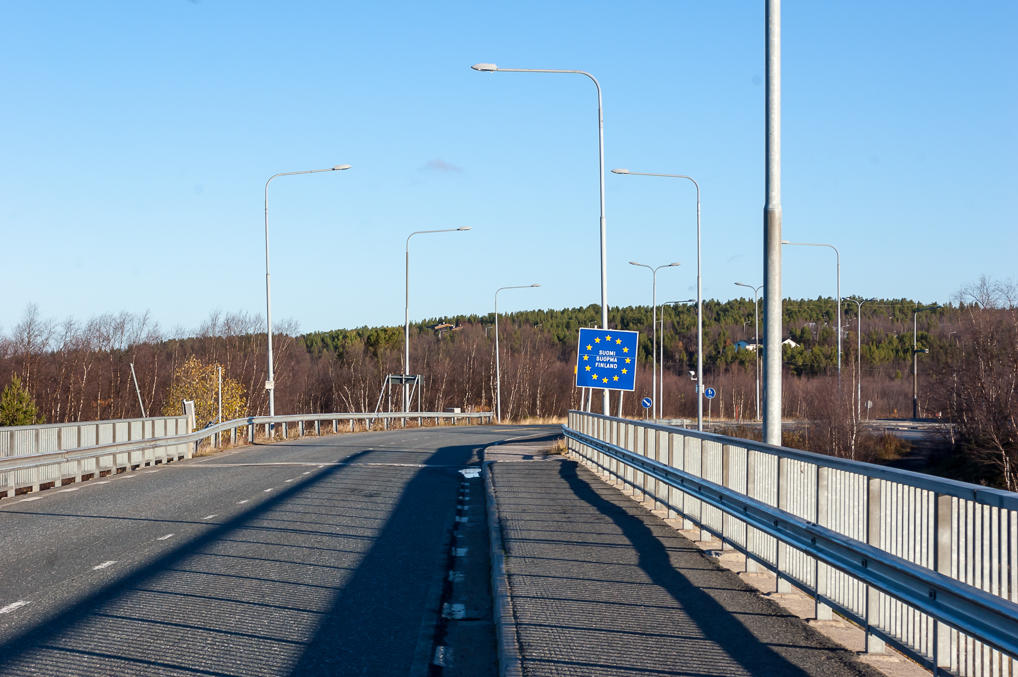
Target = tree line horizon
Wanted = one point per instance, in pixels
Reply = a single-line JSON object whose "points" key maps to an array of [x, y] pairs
{"points": [[78, 371]]}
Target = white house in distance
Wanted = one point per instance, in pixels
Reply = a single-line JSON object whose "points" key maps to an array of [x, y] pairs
{"points": [[749, 345]]}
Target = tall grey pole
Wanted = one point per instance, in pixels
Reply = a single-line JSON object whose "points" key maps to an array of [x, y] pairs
{"points": [[772, 229], [270, 384], [492, 68], [858, 355], [137, 390], [406, 315], [756, 339], [915, 357], [498, 368], [653, 346], [219, 373], [699, 290], [837, 258]]}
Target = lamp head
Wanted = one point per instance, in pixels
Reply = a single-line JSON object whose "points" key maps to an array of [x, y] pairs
{"points": [[339, 168], [620, 171], [634, 263], [485, 67], [785, 242], [464, 228], [675, 263], [536, 284]]}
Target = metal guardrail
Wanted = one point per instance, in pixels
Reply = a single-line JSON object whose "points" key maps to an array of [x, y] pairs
{"points": [[31, 471], [927, 564]]}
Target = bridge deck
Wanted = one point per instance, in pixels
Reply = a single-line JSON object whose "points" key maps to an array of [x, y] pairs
{"points": [[600, 585]]}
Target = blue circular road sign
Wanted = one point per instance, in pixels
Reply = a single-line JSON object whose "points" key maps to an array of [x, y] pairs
{"points": [[709, 393], [646, 403]]}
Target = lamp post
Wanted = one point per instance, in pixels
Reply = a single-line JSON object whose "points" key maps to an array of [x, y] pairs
{"points": [[837, 256], [858, 354], [653, 345], [699, 289], [756, 339], [498, 369], [661, 364], [270, 384], [915, 357], [406, 312], [492, 68]]}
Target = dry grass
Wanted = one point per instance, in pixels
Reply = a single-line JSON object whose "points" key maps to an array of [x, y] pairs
{"points": [[541, 420]]}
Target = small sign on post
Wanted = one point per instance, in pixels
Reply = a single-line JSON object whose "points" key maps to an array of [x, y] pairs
{"points": [[646, 403]]}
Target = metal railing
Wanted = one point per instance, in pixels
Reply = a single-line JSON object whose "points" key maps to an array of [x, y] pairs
{"points": [[929, 565], [99, 455]]}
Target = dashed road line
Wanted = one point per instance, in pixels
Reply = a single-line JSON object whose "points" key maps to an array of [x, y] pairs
{"points": [[208, 517], [12, 607], [31, 498], [242, 502], [64, 491], [104, 565], [268, 490], [164, 538]]}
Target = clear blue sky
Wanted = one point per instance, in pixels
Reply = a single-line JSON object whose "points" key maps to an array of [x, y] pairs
{"points": [[137, 138]]}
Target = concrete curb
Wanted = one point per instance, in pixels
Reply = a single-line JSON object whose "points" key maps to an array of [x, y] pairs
{"points": [[510, 662]]}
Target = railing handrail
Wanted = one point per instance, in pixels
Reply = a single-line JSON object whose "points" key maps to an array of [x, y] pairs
{"points": [[69, 424], [11, 463], [998, 498], [988, 617]]}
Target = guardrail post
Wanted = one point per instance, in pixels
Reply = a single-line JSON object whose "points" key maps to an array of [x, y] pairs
{"points": [[318, 428], [874, 518], [726, 461], [300, 428], [943, 519], [782, 585], [233, 436], [821, 611]]}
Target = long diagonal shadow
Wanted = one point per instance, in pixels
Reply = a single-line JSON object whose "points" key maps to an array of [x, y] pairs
{"points": [[371, 625], [715, 621]]}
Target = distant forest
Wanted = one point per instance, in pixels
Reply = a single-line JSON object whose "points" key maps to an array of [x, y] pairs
{"points": [[81, 370]]}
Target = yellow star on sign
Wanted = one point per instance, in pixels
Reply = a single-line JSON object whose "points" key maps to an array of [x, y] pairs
{"points": [[605, 379], [586, 367], [597, 340], [615, 378], [628, 360], [626, 349], [594, 376], [608, 337], [625, 371], [586, 357], [618, 340], [590, 347]]}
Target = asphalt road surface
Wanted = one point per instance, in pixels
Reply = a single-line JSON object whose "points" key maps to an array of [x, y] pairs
{"points": [[307, 557]]}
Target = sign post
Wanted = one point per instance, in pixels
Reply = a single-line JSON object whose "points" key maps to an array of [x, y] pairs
{"points": [[710, 394]]}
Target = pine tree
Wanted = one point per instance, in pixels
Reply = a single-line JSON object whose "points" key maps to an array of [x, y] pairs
{"points": [[17, 406]]}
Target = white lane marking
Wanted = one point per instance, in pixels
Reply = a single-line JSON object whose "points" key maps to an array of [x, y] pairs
{"points": [[269, 489], [470, 473], [443, 656], [290, 480], [242, 502], [102, 482], [33, 498], [456, 576], [105, 564], [306, 473], [125, 476], [208, 517], [64, 491], [459, 552], [454, 611], [12, 607], [164, 538]]}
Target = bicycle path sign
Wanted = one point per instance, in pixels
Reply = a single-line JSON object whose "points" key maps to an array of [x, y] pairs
{"points": [[606, 358]]}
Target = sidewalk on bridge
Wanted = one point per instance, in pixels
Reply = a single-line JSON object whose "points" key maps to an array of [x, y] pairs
{"points": [[588, 582]]}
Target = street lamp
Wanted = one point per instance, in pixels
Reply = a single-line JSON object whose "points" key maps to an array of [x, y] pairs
{"points": [[661, 362], [837, 256], [858, 355], [915, 357], [498, 369], [270, 384], [492, 68], [653, 347], [406, 313], [699, 289], [756, 339]]}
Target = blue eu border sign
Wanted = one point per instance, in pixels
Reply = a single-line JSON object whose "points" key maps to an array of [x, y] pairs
{"points": [[606, 358]]}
